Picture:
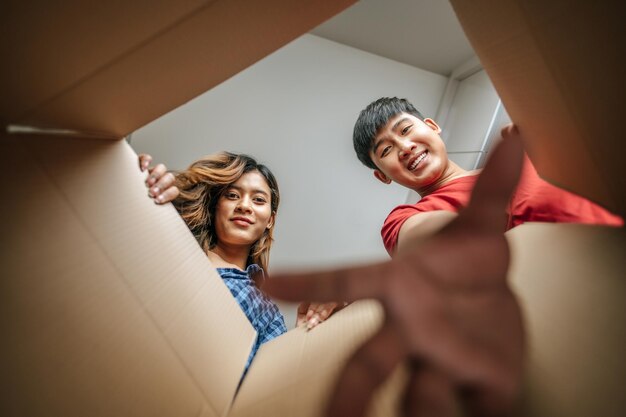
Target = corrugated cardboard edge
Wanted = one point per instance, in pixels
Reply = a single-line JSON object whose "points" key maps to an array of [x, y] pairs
{"points": [[296, 373], [110, 306], [558, 68], [195, 53]]}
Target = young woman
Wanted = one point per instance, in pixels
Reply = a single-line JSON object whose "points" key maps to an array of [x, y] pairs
{"points": [[229, 203]]}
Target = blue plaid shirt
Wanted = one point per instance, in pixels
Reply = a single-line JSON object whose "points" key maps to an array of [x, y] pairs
{"points": [[262, 312]]}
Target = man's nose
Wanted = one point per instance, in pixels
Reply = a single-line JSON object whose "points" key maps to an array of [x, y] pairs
{"points": [[406, 148]]}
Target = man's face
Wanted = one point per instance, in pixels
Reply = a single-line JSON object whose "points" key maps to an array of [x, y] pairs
{"points": [[409, 152]]}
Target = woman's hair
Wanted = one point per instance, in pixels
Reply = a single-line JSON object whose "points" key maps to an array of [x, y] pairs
{"points": [[201, 186]]}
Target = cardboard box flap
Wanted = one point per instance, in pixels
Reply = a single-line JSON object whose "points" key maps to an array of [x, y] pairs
{"points": [[294, 375], [558, 67], [107, 68], [108, 302], [570, 281], [50, 48]]}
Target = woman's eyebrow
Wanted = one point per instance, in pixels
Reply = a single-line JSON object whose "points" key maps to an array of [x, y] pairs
{"points": [[254, 191], [260, 192]]}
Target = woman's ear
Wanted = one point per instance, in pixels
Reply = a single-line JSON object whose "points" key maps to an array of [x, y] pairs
{"points": [[381, 177], [432, 124], [270, 224]]}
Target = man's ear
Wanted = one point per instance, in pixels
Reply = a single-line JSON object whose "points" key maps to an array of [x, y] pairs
{"points": [[381, 177], [432, 124]]}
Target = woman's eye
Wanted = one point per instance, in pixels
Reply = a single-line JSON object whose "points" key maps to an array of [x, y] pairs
{"points": [[260, 200], [231, 195]]}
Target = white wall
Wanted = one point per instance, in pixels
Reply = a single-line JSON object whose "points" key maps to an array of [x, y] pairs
{"points": [[295, 111], [469, 119]]}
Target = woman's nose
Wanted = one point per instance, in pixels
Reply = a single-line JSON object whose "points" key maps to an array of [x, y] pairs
{"points": [[244, 205]]}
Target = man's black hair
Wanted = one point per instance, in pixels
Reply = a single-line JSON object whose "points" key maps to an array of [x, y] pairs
{"points": [[372, 119]]}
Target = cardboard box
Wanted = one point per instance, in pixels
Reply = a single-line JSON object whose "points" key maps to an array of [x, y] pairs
{"points": [[110, 308], [570, 282], [558, 67]]}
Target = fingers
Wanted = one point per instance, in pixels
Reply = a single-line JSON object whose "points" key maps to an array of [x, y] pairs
{"points": [[155, 174], [342, 284], [144, 161], [318, 313], [168, 195], [366, 370], [323, 311], [481, 345], [480, 402], [161, 182], [429, 393], [164, 182], [496, 183], [474, 240], [302, 318], [164, 190], [465, 261]]}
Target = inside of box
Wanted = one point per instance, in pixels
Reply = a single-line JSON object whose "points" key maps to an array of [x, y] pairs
{"points": [[558, 69], [110, 303], [108, 290]]}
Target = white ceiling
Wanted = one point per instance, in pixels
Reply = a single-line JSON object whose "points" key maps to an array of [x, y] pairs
{"points": [[422, 33]]}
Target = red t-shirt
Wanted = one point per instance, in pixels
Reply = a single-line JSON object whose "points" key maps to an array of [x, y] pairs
{"points": [[534, 200]]}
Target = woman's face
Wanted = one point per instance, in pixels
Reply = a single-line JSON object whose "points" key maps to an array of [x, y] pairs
{"points": [[244, 211]]}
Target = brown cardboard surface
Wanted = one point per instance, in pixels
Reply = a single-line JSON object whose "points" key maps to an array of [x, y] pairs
{"points": [[50, 47], [558, 67], [570, 282], [295, 373], [109, 305], [570, 279], [108, 68]]}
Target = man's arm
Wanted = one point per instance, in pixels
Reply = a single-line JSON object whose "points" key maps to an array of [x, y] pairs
{"points": [[421, 226], [449, 310]]}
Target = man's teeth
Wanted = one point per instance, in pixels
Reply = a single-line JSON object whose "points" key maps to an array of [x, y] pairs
{"points": [[417, 161]]}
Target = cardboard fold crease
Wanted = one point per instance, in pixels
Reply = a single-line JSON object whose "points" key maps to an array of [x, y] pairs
{"points": [[109, 307]]}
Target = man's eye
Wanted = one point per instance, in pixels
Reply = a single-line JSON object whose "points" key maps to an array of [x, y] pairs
{"points": [[385, 151], [406, 129]]}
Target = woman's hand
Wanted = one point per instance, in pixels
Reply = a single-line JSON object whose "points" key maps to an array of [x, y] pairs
{"points": [[160, 183], [312, 314]]}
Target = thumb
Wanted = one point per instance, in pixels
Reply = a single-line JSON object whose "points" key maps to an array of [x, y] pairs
{"points": [[496, 184]]}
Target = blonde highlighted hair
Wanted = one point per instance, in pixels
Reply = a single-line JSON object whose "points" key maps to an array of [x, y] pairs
{"points": [[201, 186]]}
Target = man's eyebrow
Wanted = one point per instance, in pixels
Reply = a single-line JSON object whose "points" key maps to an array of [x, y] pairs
{"points": [[396, 124], [377, 144], [394, 127]]}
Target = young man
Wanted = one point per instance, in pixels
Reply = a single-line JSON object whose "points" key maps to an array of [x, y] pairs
{"points": [[400, 145], [449, 309]]}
